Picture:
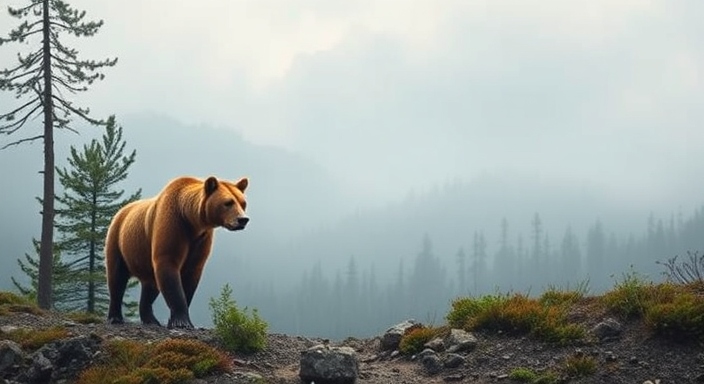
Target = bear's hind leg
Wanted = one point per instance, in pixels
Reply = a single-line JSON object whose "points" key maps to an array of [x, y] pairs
{"points": [[146, 300], [169, 281], [117, 276]]}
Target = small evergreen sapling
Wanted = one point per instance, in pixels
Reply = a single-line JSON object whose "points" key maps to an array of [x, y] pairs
{"points": [[238, 330]]}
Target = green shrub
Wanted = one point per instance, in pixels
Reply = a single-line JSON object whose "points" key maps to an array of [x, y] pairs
{"points": [[238, 330], [680, 318], [415, 338], [629, 296]]}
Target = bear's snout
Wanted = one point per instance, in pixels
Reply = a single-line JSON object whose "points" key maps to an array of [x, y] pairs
{"points": [[239, 224]]}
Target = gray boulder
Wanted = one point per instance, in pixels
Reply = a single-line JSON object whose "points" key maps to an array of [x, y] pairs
{"points": [[61, 360], [10, 356], [460, 340], [607, 329], [323, 364], [40, 370], [393, 335], [453, 360], [424, 353], [436, 344], [431, 363]]}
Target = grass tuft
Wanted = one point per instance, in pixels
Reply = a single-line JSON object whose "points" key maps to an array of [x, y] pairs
{"points": [[577, 366], [679, 316], [555, 296], [33, 339], [415, 338], [674, 311], [85, 317], [517, 315], [527, 375], [523, 375], [629, 296], [14, 303]]}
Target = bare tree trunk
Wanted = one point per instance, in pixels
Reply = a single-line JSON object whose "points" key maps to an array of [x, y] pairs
{"points": [[91, 257], [46, 254]]}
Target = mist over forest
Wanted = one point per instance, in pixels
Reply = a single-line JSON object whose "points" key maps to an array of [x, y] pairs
{"points": [[315, 261], [398, 158]]}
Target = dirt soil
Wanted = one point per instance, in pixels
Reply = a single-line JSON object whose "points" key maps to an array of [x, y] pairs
{"points": [[635, 357]]}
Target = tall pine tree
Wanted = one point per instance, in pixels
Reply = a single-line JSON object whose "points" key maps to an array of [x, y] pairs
{"points": [[88, 203], [42, 79]]}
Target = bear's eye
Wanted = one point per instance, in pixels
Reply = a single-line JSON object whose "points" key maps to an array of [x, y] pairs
{"points": [[230, 203], [244, 205]]}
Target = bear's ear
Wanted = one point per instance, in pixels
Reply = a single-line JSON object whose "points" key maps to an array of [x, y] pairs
{"points": [[242, 184], [211, 184]]}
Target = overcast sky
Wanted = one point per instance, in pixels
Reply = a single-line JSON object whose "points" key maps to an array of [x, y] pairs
{"points": [[400, 95]]}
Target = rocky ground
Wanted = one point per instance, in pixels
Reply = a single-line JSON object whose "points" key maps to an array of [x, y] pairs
{"points": [[631, 357]]}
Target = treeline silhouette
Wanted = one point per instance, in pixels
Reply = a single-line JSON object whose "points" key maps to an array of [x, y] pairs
{"points": [[355, 301]]}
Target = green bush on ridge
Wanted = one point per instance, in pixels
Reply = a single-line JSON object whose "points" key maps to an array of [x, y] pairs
{"points": [[238, 330]]}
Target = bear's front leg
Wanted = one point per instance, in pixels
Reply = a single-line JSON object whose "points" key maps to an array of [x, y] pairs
{"points": [[169, 281]]}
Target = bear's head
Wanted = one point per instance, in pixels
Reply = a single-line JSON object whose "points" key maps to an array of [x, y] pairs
{"points": [[225, 203]]}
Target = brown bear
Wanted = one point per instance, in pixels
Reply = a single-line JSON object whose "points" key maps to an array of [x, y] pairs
{"points": [[165, 241]]}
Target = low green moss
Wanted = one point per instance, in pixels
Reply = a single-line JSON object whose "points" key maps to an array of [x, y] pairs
{"points": [[527, 375], [524, 375], [170, 361]]}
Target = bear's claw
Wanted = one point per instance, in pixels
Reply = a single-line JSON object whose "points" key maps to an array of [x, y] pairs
{"points": [[180, 322], [115, 320]]}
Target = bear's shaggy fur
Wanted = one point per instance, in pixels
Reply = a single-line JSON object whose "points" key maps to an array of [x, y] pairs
{"points": [[165, 241]]}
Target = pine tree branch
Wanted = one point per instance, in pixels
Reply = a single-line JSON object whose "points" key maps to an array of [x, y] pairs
{"points": [[23, 64], [13, 112], [69, 87], [13, 127], [82, 113], [25, 140], [20, 12], [13, 78]]}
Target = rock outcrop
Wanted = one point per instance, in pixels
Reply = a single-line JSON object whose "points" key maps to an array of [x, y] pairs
{"points": [[323, 364]]}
